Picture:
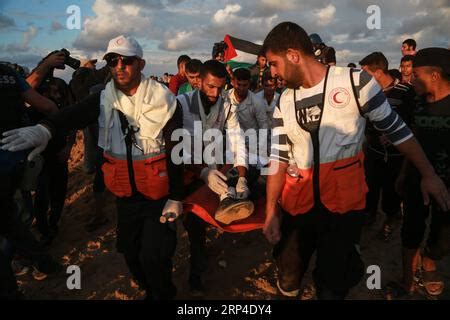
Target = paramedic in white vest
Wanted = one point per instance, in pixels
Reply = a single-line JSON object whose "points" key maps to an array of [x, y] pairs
{"points": [[204, 109], [269, 95], [136, 117], [252, 116], [316, 204]]}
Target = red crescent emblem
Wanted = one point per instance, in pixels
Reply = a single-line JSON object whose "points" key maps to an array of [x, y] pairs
{"points": [[335, 98], [339, 97]]}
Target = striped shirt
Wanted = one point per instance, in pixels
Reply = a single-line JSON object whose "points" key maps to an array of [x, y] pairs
{"points": [[401, 98], [373, 105]]}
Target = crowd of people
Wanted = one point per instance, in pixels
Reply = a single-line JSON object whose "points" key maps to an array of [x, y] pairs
{"points": [[325, 146]]}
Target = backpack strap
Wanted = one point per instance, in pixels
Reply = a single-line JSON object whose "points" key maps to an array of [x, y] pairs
{"points": [[128, 132]]}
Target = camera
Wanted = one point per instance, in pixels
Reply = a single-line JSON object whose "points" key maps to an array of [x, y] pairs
{"points": [[71, 62], [219, 47]]}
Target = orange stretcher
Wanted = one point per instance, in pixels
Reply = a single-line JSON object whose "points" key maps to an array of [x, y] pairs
{"points": [[204, 202]]}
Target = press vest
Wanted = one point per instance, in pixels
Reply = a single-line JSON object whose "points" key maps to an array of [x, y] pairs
{"points": [[12, 104]]}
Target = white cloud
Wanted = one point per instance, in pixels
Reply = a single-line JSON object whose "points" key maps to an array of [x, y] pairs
{"points": [[181, 40], [168, 28], [326, 15], [29, 34], [227, 15], [340, 38], [23, 46], [110, 21]]}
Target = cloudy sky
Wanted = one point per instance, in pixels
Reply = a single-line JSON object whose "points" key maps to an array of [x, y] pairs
{"points": [[166, 28]]}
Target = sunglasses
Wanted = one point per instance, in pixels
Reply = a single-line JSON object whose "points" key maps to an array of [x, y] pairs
{"points": [[113, 61]]}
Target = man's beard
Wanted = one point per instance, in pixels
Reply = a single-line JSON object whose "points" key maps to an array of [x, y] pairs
{"points": [[293, 77], [293, 83], [206, 100]]}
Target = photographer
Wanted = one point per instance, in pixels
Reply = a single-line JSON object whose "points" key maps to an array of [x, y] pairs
{"points": [[323, 53], [13, 93], [218, 51], [85, 81], [55, 60], [52, 183]]}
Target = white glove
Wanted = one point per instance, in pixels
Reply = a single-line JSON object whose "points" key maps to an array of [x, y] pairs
{"points": [[172, 210], [215, 180], [25, 138], [242, 191]]}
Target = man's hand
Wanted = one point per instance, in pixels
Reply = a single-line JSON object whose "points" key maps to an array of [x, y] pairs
{"points": [[25, 138], [242, 191], [215, 180], [434, 186], [55, 60], [172, 210], [271, 228]]}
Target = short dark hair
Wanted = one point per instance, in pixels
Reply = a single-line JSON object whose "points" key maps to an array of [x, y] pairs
{"points": [[183, 58], [193, 66], [445, 76], [288, 35], [213, 67], [351, 65], [242, 74], [375, 61], [407, 58], [410, 43]]}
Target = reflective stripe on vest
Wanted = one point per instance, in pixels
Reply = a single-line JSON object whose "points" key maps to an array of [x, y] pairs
{"points": [[338, 183]]}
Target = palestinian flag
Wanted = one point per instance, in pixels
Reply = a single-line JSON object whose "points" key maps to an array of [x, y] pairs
{"points": [[240, 53]]}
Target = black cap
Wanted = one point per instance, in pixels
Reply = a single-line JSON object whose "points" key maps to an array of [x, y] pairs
{"points": [[433, 57]]}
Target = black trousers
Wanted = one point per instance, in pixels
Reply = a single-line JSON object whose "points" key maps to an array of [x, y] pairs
{"points": [[147, 245], [414, 224], [196, 230], [334, 237], [50, 194], [22, 241], [99, 183], [11, 227], [381, 176]]}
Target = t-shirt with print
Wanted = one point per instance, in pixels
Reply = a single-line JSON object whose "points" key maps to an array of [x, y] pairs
{"points": [[431, 124]]}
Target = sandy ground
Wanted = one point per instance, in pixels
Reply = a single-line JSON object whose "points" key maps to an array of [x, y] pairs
{"points": [[240, 265]]}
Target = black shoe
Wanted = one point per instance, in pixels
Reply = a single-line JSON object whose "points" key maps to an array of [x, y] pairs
{"points": [[196, 286], [20, 267], [230, 210]]}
